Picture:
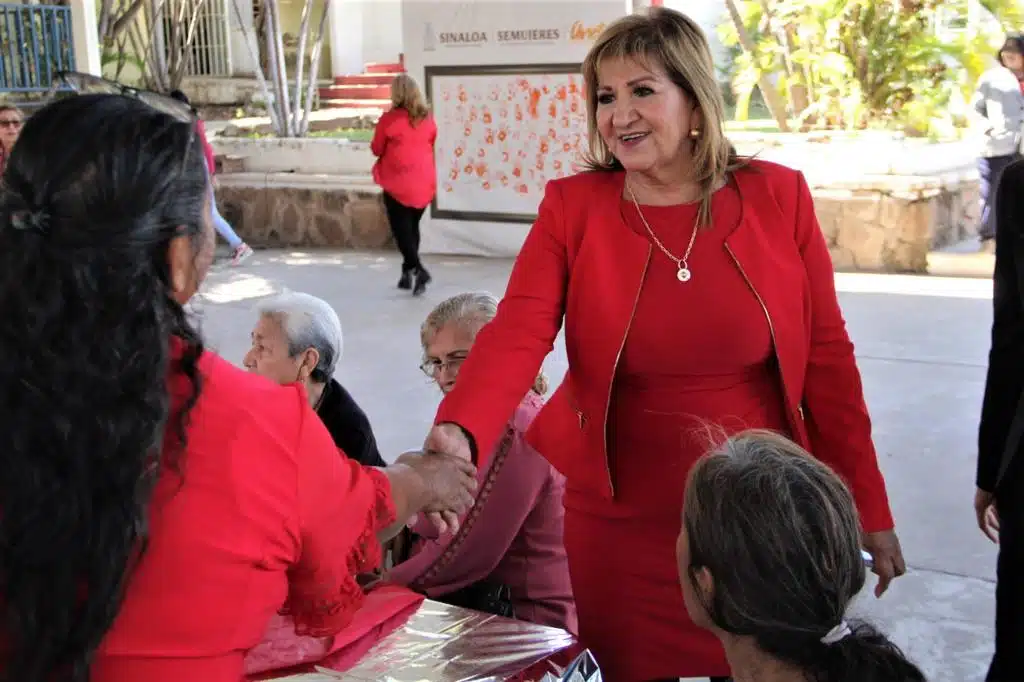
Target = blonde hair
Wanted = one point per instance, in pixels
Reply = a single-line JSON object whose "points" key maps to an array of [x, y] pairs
{"points": [[469, 312], [406, 94], [672, 40]]}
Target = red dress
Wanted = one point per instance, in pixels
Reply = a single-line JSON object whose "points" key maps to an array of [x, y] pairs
{"points": [[696, 360], [265, 515]]}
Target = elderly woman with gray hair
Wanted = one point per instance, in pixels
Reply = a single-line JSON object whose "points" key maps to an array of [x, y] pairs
{"points": [[507, 557], [297, 338]]}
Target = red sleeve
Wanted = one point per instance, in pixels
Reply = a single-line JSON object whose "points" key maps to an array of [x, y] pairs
{"points": [[211, 158], [380, 137], [836, 414], [342, 506], [508, 351]]}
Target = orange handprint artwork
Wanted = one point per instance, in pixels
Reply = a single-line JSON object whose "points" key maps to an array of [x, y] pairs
{"points": [[506, 125]]}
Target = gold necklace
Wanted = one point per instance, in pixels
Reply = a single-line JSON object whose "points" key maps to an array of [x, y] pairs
{"points": [[683, 274]]}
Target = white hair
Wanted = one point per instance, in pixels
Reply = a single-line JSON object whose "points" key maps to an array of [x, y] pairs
{"points": [[308, 322], [470, 312]]}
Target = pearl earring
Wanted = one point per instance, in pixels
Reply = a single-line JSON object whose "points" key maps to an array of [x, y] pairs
{"points": [[694, 133]]}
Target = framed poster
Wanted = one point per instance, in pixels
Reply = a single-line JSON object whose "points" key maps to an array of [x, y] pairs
{"points": [[504, 131]]}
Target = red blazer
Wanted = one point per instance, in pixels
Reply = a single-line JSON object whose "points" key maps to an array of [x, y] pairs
{"points": [[405, 169], [581, 264]]}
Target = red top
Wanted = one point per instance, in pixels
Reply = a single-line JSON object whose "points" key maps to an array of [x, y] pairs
{"points": [[577, 265], [211, 159], [511, 536], [265, 514], [405, 169]]}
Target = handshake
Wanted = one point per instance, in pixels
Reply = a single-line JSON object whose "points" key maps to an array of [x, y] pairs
{"points": [[445, 466], [445, 488], [438, 481]]}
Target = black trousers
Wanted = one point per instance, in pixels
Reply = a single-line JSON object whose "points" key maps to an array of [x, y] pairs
{"points": [[990, 171], [1008, 662], [405, 226]]}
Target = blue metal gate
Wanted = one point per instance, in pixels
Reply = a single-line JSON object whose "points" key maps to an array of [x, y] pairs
{"points": [[35, 44]]}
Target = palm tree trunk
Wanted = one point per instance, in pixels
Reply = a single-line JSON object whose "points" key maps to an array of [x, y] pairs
{"points": [[771, 96]]}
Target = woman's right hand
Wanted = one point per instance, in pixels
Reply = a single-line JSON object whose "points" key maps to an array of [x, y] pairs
{"points": [[449, 486], [449, 439]]}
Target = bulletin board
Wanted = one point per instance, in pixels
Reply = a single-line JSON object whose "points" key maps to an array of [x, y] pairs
{"points": [[504, 131]]}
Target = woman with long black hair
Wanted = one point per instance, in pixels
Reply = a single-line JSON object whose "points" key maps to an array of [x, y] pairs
{"points": [[157, 504]]}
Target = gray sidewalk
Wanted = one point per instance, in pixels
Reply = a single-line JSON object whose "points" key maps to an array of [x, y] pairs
{"points": [[922, 344]]}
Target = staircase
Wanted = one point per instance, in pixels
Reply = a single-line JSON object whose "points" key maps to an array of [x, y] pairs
{"points": [[370, 89]]}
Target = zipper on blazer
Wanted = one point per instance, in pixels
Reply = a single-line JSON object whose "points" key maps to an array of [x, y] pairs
{"points": [[771, 328], [615, 367]]}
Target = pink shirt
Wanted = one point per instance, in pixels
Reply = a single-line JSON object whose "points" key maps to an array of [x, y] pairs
{"points": [[211, 159], [405, 164], [512, 535]]}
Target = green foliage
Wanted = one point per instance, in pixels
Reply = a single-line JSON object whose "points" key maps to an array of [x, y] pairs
{"points": [[858, 63], [114, 60]]}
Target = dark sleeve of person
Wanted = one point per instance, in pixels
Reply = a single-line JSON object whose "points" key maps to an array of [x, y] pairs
{"points": [[1005, 379], [356, 438]]}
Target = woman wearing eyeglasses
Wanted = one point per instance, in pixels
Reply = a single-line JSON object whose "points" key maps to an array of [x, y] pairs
{"points": [[508, 557], [11, 120]]}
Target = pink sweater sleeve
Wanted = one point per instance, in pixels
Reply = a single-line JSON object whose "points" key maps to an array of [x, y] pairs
{"points": [[516, 480]]}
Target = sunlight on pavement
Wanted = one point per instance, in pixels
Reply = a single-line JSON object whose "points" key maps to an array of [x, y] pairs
{"points": [[914, 285], [238, 288]]}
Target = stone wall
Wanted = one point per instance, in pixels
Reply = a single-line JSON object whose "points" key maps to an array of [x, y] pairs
{"points": [[884, 225], [890, 225], [280, 215]]}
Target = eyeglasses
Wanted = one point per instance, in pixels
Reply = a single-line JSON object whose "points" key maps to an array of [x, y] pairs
{"points": [[74, 83], [432, 366], [10, 123]]}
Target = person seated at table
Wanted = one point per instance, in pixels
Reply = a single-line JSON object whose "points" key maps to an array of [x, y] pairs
{"points": [[508, 557], [297, 338], [158, 506], [770, 559]]}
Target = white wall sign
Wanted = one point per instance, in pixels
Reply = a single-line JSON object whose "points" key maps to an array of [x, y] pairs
{"points": [[503, 80], [507, 131]]}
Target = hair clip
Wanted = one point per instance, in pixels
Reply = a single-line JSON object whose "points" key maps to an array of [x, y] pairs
{"points": [[25, 219], [837, 634]]}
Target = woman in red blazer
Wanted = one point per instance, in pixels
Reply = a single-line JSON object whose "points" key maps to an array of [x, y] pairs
{"points": [[697, 295], [404, 144]]}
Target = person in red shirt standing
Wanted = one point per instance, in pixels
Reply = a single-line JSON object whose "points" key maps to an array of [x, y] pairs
{"points": [[695, 291], [403, 143]]}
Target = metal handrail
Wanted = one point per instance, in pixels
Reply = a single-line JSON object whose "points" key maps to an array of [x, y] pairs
{"points": [[35, 45]]}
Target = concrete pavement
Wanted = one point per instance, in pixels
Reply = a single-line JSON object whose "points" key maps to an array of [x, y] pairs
{"points": [[922, 345]]}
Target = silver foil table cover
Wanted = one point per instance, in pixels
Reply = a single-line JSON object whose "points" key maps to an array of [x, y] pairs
{"points": [[442, 643]]}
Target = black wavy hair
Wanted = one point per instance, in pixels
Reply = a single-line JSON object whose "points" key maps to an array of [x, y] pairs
{"points": [[1013, 43], [780, 536], [94, 190]]}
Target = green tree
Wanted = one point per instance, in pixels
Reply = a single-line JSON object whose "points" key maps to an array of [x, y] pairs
{"points": [[851, 63]]}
